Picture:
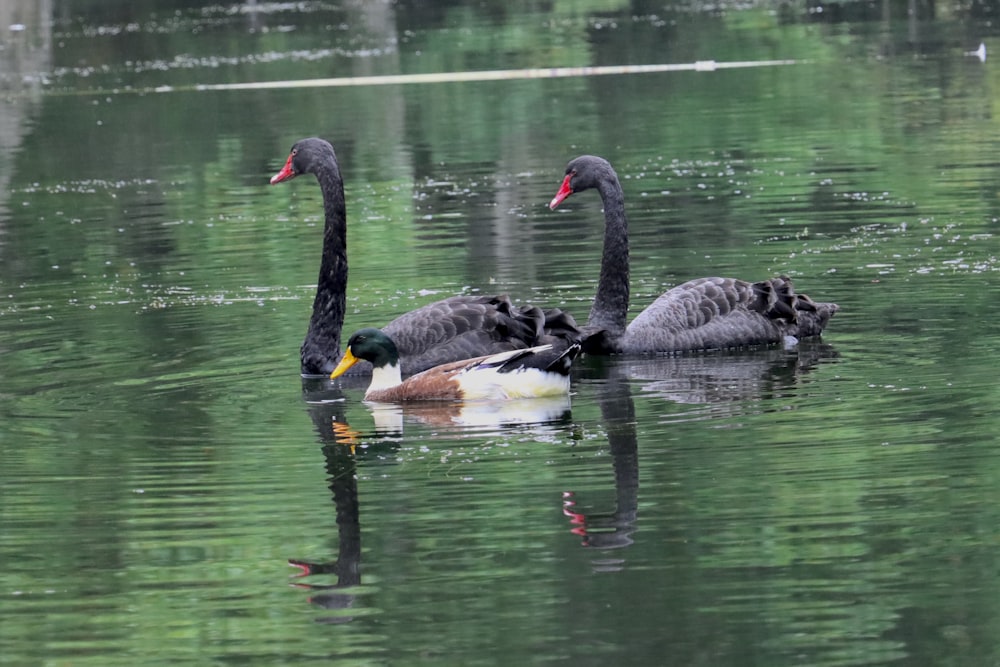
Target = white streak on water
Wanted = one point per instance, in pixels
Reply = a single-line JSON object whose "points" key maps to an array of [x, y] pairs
{"points": [[496, 75]]}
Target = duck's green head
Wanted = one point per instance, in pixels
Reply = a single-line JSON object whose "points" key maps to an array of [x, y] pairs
{"points": [[371, 345]]}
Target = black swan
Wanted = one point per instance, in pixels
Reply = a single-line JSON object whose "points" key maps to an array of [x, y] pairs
{"points": [[701, 314], [533, 372], [449, 330]]}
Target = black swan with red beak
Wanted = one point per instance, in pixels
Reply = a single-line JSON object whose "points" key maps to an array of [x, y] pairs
{"points": [[453, 329], [701, 314]]}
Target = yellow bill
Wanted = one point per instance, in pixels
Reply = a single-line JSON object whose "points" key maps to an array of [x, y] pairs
{"points": [[346, 362]]}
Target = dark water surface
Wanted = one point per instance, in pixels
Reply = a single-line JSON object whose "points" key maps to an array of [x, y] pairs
{"points": [[163, 463]]}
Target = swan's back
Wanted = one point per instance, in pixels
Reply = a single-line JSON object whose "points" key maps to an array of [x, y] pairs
{"points": [[722, 313], [463, 327]]}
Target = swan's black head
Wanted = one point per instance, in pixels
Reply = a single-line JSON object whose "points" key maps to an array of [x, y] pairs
{"points": [[306, 156], [586, 171]]}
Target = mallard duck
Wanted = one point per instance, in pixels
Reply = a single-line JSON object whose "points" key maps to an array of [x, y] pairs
{"points": [[533, 372], [701, 314], [451, 329]]}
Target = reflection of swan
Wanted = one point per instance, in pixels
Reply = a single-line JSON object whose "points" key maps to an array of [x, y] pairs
{"points": [[725, 378], [613, 529], [327, 410], [711, 380], [460, 327], [701, 314], [342, 476], [528, 373]]}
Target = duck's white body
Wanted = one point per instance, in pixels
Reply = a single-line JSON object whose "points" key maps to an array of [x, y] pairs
{"points": [[539, 371], [483, 378]]}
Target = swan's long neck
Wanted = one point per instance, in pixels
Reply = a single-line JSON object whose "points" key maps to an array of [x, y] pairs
{"points": [[331, 286], [610, 308]]}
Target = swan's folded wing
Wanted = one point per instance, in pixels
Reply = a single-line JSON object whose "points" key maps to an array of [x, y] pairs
{"points": [[463, 327], [717, 313]]}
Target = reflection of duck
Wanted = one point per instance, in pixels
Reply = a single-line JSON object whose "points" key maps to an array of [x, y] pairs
{"points": [[701, 314], [480, 417], [456, 328], [532, 372]]}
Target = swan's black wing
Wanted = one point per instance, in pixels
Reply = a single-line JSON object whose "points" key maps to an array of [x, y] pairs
{"points": [[463, 327], [453, 329]]}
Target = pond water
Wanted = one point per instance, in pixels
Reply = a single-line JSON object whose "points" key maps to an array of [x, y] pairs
{"points": [[164, 464]]}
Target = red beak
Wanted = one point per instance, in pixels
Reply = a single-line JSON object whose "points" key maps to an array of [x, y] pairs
{"points": [[564, 191], [286, 172]]}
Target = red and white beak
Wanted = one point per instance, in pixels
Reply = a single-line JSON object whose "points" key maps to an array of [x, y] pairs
{"points": [[564, 191], [287, 172]]}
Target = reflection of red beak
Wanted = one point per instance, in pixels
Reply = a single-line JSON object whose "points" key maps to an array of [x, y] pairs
{"points": [[564, 191], [286, 172], [304, 567], [578, 520]]}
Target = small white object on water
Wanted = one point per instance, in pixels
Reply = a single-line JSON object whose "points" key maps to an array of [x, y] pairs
{"points": [[979, 53], [16, 27]]}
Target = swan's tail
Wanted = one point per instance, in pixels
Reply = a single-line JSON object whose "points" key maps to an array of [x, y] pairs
{"points": [[553, 327], [776, 298]]}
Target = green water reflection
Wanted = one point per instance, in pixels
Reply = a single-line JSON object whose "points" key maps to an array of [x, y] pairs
{"points": [[163, 462]]}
